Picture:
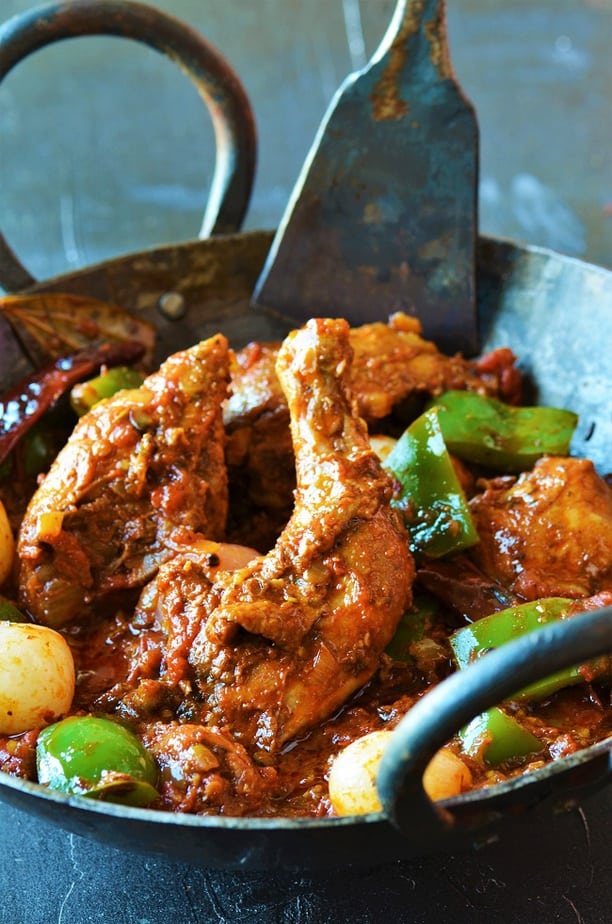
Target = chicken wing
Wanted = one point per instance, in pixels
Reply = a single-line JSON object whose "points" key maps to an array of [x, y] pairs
{"points": [[393, 368], [549, 533], [280, 644], [142, 473]]}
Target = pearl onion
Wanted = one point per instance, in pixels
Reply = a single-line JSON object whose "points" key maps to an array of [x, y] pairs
{"points": [[36, 677]]}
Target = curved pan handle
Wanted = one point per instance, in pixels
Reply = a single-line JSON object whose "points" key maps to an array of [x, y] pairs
{"points": [[455, 702], [215, 80]]}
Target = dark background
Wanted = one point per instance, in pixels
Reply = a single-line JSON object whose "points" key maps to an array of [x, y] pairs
{"points": [[105, 148]]}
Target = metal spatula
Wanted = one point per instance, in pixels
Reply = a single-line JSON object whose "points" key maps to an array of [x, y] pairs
{"points": [[383, 216]]}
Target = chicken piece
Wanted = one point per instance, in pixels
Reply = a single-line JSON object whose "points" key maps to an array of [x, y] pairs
{"points": [[283, 642], [549, 533], [170, 611], [142, 473], [393, 364], [256, 419], [463, 587], [393, 368], [203, 771]]}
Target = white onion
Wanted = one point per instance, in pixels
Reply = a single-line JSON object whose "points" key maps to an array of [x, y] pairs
{"points": [[352, 777], [36, 677], [446, 775], [7, 546], [382, 445]]}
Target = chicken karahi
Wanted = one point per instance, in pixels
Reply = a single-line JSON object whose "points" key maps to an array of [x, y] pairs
{"points": [[240, 571]]}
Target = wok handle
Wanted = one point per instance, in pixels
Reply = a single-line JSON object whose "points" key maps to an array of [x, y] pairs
{"points": [[216, 82], [457, 700]]}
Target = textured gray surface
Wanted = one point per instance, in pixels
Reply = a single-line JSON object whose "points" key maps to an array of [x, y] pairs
{"points": [[105, 148], [557, 872]]}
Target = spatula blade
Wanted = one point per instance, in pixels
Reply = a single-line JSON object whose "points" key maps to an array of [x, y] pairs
{"points": [[383, 217]]}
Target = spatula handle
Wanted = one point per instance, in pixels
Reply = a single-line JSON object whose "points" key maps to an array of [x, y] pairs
{"points": [[417, 34]]}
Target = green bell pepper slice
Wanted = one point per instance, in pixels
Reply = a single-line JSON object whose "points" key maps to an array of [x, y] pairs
{"points": [[36, 452], [86, 395], [6, 469], [9, 612], [473, 641], [500, 436], [38, 449], [496, 737], [98, 758], [431, 499], [412, 627]]}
